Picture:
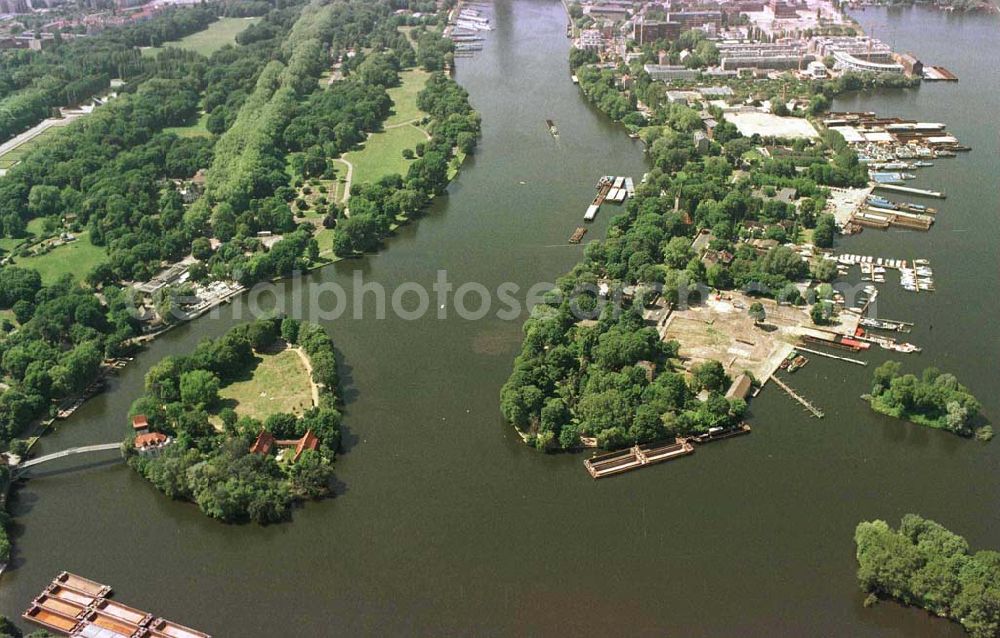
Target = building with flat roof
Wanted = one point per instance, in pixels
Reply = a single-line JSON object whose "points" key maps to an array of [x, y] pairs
{"points": [[860, 47], [789, 54], [847, 62], [590, 40], [611, 11], [648, 31], [696, 19], [667, 72]]}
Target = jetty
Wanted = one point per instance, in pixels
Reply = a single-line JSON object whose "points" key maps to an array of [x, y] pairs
{"points": [[578, 234], [812, 409], [829, 355], [610, 189], [75, 606], [912, 191], [637, 456]]}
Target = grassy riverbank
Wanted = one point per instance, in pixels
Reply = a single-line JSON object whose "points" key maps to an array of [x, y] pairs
{"points": [[382, 153]]}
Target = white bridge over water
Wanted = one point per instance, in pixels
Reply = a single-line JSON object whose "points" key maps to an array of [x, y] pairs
{"points": [[86, 449]]}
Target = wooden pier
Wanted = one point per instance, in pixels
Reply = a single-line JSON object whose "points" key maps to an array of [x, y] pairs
{"points": [[828, 355], [816, 412]]}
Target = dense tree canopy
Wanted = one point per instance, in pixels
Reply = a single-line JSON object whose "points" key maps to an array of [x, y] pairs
{"points": [[215, 468], [924, 564]]}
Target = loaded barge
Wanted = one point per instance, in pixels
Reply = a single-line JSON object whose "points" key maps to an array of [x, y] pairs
{"points": [[78, 607], [637, 456]]}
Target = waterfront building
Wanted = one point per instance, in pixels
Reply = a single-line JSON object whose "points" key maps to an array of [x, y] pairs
{"points": [[140, 423], [151, 443], [847, 62], [911, 65], [860, 47]]}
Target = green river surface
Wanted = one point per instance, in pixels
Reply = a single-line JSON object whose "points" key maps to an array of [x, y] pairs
{"points": [[445, 523]]}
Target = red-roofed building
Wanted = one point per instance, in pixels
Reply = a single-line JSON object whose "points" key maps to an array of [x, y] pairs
{"points": [[140, 423], [307, 442], [263, 444], [151, 442]]}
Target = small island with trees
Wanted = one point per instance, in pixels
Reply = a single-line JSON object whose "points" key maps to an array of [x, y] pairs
{"points": [[196, 438], [934, 399], [924, 564]]}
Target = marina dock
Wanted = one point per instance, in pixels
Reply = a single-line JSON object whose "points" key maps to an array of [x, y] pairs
{"points": [[78, 607], [609, 188], [820, 353], [910, 190]]}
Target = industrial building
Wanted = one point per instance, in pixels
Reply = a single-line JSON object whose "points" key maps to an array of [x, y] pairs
{"points": [[667, 72]]}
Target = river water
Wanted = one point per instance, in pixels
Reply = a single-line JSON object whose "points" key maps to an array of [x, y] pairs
{"points": [[445, 523]]}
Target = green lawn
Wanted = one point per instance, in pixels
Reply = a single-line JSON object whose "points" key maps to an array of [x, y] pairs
{"points": [[9, 244], [218, 34], [192, 130], [280, 383], [76, 258], [404, 96], [382, 154]]}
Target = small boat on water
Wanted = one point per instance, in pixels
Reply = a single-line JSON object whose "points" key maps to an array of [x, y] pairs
{"points": [[787, 361], [797, 363], [552, 128]]}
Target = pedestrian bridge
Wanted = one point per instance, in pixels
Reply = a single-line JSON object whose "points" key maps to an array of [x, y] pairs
{"points": [[86, 449]]}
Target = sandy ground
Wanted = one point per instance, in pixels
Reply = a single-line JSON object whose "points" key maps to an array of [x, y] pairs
{"points": [[844, 202], [770, 125], [721, 329]]}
